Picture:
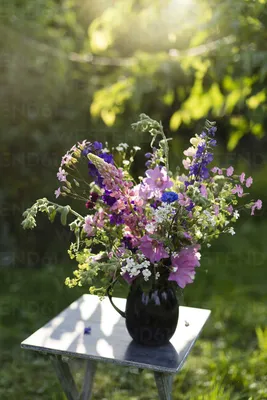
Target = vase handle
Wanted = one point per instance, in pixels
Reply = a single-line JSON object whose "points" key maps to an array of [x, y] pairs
{"points": [[122, 313]]}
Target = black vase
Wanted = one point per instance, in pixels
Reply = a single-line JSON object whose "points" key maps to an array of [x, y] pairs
{"points": [[151, 317]]}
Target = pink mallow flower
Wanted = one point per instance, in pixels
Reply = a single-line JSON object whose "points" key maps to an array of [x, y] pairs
{"points": [[257, 205], [152, 249], [184, 264], [158, 179]]}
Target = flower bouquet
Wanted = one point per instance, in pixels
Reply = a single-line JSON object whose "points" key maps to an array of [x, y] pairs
{"points": [[147, 231]]}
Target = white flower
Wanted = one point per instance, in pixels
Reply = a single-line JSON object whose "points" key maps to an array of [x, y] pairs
{"points": [[146, 273], [226, 223], [236, 214], [198, 255], [157, 275], [208, 245], [231, 231], [198, 234], [124, 145], [136, 148], [150, 228], [190, 152], [163, 213]]}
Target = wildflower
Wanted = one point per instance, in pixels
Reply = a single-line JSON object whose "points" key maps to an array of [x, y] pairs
{"points": [[231, 231], [169, 197], [257, 205], [87, 331], [242, 177], [146, 274], [157, 179], [185, 263], [57, 192], [230, 171], [186, 163], [62, 175], [236, 214], [88, 225], [152, 249], [249, 182], [238, 190]]}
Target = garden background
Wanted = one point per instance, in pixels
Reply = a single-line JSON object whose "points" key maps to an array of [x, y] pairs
{"points": [[72, 70]]}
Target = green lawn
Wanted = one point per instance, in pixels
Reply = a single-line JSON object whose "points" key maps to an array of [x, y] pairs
{"points": [[229, 361]]}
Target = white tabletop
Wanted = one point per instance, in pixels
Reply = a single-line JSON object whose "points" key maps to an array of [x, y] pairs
{"points": [[109, 340]]}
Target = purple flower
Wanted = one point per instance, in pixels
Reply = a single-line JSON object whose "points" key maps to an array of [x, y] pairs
{"points": [[116, 219], [238, 190], [230, 171], [212, 131], [242, 177], [148, 155], [62, 175], [157, 179], [203, 191], [184, 264], [213, 142], [57, 192], [107, 157], [249, 182], [152, 249], [200, 150], [109, 200], [257, 205], [169, 197], [98, 146], [127, 277], [87, 331]]}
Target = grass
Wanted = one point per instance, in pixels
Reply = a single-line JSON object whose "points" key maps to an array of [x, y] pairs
{"points": [[229, 361]]}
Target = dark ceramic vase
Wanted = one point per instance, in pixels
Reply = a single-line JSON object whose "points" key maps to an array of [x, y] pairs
{"points": [[151, 317]]}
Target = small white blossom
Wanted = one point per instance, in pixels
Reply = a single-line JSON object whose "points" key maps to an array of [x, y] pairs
{"points": [[136, 148], [163, 213], [231, 231], [146, 273], [226, 223], [208, 245], [157, 275], [150, 228], [236, 214]]}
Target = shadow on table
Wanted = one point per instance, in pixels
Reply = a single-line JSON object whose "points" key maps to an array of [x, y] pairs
{"points": [[108, 339]]}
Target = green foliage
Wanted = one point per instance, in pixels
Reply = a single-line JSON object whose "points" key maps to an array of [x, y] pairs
{"points": [[228, 362]]}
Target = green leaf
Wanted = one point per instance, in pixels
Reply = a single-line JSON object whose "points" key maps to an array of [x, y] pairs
{"points": [[64, 213]]}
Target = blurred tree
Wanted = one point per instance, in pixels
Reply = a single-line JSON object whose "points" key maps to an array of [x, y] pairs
{"points": [[70, 69]]}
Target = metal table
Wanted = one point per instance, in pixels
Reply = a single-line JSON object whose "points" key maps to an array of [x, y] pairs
{"points": [[110, 342]]}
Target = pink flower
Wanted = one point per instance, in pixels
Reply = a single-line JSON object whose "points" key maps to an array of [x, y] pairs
{"points": [[203, 191], [157, 179], [186, 163], [257, 205], [57, 192], [152, 249], [230, 171], [190, 152], [216, 170], [61, 175], [249, 182], [238, 189], [185, 263], [216, 209], [98, 219], [230, 209], [88, 225], [184, 200], [242, 177]]}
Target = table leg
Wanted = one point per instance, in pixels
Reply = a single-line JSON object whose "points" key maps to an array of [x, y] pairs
{"points": [[65, 378], [164, 385], [88, 380], [67, 382]]}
